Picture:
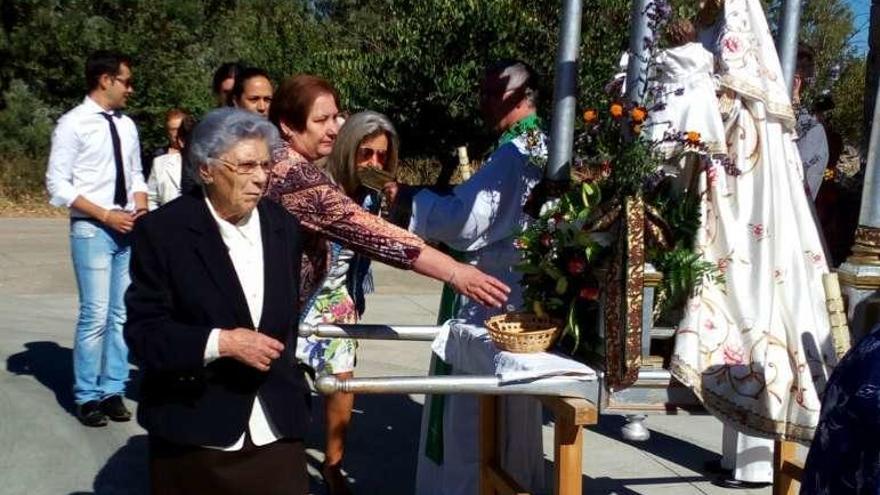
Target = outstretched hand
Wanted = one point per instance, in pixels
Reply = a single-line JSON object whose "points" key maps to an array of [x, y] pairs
{"points": [[485, 289]]}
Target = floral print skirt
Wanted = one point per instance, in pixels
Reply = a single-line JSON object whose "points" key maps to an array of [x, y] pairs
{"points": [[329, 356]]}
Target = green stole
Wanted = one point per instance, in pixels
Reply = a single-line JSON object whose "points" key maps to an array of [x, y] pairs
{"points": [[450, 304]]}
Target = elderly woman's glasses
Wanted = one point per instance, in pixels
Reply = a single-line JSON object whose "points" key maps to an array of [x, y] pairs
{"points": [[246, 168], [365, 154]]}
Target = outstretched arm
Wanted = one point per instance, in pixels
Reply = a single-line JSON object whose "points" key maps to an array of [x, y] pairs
{"points": [[322, 208]]}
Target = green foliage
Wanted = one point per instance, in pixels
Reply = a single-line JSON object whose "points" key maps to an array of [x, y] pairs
{"points": [[419, 61], [26, 121], [828, 28], [684, 273]]}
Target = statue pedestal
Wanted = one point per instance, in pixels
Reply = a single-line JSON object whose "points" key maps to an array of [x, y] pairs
{"points": [[860, 282]]}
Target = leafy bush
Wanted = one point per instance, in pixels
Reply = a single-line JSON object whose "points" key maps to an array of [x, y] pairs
{"points": [[418, 61]]}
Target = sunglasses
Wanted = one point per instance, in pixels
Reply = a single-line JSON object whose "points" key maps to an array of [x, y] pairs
{"points": [[365, 154]]}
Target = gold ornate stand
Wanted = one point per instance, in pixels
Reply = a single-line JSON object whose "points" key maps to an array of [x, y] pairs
{"points": [[860, 281]]}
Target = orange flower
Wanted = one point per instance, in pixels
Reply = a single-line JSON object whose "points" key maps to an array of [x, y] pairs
{"points": [[591, 116], [616, 110], [693, 137], [638, 114]]}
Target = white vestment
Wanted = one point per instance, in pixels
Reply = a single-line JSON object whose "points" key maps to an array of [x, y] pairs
{"points": [[749, 458], [481, 218]]}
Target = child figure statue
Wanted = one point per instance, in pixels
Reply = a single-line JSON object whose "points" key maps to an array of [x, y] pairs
{"points": [[685, 94]]}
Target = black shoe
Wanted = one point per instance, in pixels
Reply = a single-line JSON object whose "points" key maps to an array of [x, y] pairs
{"points": [[336, 482], [115, 409], [90, 414], [730, 482], [714, 467]]}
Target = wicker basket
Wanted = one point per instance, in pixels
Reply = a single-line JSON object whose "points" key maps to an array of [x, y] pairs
{"points": [[523, 332]]}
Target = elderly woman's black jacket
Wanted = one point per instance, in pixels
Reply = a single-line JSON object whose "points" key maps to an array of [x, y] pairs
{"points": [[183, 285]]}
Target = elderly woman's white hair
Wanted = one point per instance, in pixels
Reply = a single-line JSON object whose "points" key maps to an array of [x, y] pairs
{"points": [[220, 130], [341, 165]]}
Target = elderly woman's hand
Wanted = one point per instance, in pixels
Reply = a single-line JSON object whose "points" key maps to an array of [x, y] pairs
{"points": [[485, 289], [250, 347]]}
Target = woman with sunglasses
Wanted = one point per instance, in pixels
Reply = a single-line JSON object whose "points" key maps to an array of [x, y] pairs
{"points": [[305, 109]]}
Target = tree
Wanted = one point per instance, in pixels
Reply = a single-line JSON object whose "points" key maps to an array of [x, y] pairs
{"points": [[828, 28]]}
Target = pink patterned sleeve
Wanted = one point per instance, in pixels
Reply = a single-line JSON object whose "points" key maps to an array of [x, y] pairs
{"points": [[323, 208]]}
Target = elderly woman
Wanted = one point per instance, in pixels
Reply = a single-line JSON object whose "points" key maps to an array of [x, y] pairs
{"points": [[305, 108], [212, 324], [367, 140]]}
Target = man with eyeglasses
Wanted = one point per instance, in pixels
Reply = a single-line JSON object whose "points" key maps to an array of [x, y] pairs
{"points": [[95, 171]]}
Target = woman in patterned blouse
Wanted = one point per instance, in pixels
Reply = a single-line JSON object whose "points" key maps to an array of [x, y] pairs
{"points": [[305, 109]]}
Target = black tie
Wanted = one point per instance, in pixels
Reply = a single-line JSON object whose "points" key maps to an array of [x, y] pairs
{"points": [[120, 197]]}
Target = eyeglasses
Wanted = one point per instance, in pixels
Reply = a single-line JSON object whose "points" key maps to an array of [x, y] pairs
{"points": [[365, 154], [246, 168], [128, 83]]}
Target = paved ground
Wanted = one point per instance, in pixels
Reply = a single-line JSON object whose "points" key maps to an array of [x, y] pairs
{"points": [[45, 451]]}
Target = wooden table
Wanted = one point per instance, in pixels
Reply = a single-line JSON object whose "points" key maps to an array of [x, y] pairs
{"points": [[569, 417]]}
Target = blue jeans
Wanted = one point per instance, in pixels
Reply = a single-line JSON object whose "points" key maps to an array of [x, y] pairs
{"points": [[100, 356]]}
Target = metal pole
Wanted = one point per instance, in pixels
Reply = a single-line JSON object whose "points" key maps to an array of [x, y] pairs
{"points": [[558, 386], [565, 92], [869, 214], [787, 43], [637, 70], [371, 332]]}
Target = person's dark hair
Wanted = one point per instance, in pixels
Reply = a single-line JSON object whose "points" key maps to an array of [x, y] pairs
{"points": [[103, 62], [174, 113], [805, 64], [186, 128], [224, 72], [823, 103], [680, 32], [294, 99], [243, 77]]}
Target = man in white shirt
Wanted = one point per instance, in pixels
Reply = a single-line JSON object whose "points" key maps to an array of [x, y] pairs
{"points": [[95, 170]]}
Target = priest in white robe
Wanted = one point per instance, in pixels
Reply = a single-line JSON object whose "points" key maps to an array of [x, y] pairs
{"points": [[480, 220]]}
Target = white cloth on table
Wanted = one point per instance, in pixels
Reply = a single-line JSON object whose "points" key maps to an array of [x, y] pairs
{"points": [[470, 352], [470, 349]]}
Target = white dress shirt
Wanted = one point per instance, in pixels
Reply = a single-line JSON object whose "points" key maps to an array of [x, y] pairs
{"points": [[81, 162], [245, 243], [164, 182]]}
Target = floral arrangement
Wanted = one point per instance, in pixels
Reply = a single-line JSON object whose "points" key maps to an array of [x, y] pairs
{"points": [[584, 256], [567, 250]]}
